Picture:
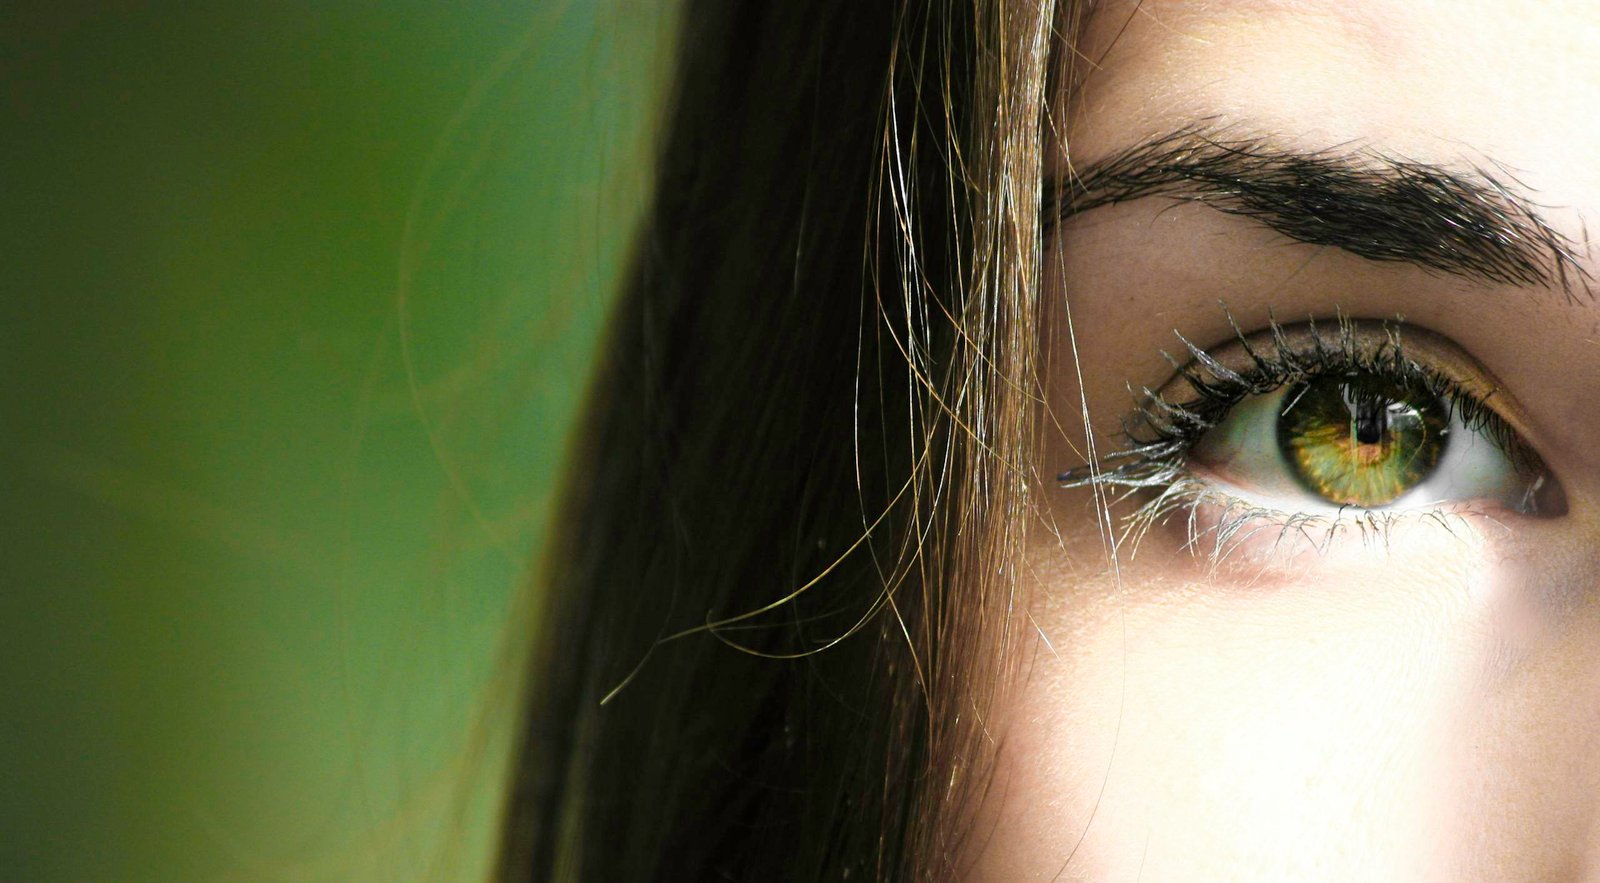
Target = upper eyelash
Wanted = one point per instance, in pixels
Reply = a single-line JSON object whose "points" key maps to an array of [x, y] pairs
{"points": [[1161, 431]]}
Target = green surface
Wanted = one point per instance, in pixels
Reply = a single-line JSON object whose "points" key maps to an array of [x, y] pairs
{"points": [[297, 301]]}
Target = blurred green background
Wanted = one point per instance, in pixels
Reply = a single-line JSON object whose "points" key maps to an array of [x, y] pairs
{"points": [[297, 305]]}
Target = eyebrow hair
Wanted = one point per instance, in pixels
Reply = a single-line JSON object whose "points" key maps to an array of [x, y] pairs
{"points": [[1468, 222]]}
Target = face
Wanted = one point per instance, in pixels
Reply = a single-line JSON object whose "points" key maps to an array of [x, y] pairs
{"points": [[1342, 618]]}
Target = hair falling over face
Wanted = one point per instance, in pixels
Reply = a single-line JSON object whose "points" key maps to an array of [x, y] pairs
{"points": [[1214, 500], [778, 604]]}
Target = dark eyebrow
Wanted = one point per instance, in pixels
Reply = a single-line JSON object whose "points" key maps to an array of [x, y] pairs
{"points": [[1467, 222]]}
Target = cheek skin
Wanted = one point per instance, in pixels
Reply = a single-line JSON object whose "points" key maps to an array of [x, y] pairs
{"points": [[1521, 773], [1403, 713]]}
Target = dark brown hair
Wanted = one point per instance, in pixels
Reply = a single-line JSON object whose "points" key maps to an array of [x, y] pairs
{"points": [[778, 598]]}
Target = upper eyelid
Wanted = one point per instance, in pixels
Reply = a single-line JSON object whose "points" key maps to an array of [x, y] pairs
{"points": [[1362, 340]]}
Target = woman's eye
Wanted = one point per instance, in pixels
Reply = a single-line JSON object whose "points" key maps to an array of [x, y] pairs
{"points": [[1358, 414], [1361, 439]]}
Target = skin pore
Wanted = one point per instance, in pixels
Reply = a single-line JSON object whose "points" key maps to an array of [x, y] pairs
{"points": [[1415, 700]]}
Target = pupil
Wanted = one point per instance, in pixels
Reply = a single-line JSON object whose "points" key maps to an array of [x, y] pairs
{"points": [[1372, 418]]}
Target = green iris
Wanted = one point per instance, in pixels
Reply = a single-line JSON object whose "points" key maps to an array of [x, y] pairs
{"points": [[1361, 440]]}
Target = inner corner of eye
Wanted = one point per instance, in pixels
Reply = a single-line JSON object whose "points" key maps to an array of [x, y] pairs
{"points": [[1242, 446]]}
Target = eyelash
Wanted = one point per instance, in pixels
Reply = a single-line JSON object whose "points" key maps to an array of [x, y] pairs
{"points": [[1161, 432]]}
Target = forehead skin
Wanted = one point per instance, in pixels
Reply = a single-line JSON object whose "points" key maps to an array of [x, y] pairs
{"points": [[1511, 79], [1402, 714]]}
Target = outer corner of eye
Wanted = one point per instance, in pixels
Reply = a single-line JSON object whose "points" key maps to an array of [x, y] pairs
{"points": [[1544, 497]]}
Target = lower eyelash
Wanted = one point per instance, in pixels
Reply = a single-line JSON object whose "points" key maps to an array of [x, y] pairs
{"points": [[1218, 524], [1154, 463]]}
